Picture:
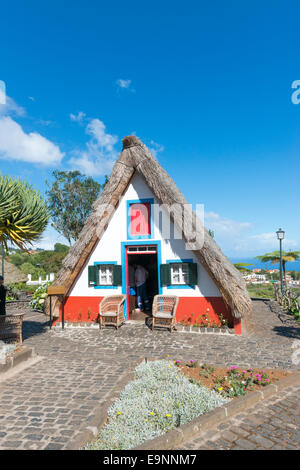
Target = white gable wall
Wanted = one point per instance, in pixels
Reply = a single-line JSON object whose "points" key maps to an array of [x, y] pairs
{"points": [[109, 249]]}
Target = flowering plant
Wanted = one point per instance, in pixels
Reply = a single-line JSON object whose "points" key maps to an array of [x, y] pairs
{"points": [[39, 296], [239, 382]]}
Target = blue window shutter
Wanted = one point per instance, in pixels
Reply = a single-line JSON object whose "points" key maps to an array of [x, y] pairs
{"points": [[165, 274], [193, 274], [92, 276], [117, 275]]}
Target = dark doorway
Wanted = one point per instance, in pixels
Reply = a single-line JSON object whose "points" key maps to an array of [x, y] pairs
{"points": [[149, 262]]}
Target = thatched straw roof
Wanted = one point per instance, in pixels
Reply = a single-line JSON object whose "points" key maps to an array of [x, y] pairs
{"points": [[135, 157], [12, 273]]}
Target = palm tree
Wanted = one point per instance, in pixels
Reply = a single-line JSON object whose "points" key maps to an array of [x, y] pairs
{"points": [[23, 213], [274, 258], [243, 267]]}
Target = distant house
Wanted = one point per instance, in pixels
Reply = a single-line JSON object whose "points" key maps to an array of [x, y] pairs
{"points": [[123, 230], [255, 278], [12, 274]]}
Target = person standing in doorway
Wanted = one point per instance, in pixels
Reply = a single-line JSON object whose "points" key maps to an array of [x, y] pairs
{"points": [[131, 289], [141, 275], [131, 280], [2, 296]]}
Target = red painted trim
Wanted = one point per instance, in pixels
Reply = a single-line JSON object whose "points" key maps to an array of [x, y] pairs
{"points": [[81, 309], [127, 282], [237, 326], [190, 309]]}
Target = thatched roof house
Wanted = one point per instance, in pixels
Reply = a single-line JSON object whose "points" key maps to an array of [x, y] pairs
{"points": [[12, 274], [138, 178]]}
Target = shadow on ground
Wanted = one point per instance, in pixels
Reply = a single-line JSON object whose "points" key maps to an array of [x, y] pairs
{"points": [[31, 328], [287, 331]]}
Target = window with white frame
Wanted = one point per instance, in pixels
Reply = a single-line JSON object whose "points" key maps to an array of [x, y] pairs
{"points": [[179, 273], [105, 275]]}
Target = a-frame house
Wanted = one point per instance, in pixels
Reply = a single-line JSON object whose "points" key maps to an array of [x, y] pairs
{"points": [[129, 224]]}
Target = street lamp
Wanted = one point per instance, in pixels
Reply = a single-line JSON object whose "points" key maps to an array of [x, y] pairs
{"points": [[280, 236]]}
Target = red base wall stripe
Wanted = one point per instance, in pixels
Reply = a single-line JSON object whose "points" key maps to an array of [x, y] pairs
{"points": [[190, 309]]}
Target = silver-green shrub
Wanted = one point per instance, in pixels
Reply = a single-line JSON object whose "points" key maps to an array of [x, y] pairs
{"points": [[6, 349], [158, 400]]}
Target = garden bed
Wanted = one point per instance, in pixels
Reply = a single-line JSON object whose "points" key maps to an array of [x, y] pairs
{"points": [[229, 382], [157, 401], [167, 396]]}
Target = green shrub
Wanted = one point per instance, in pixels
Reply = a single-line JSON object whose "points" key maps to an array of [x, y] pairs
{"points": [[39, 297]]}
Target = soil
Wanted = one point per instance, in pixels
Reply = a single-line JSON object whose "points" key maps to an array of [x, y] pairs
{"points": [[210, 378]]}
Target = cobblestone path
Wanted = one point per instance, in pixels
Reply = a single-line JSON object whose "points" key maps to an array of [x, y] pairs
{"points": [[48, 404], [272, 425]]}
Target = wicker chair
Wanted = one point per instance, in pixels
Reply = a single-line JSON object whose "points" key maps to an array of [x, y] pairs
{"points": [[11, 327], [111, 311], [164, 311]]}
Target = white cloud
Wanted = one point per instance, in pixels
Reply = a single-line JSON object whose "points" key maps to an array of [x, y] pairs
{"points": [[237, 238], [225, 226], [45, 122], [15, 144], [77, 117], [2, 93], [49, 238], [264, 236], [100, 154], [155, 148], [269, 239], [11, 107], [123, 83]]}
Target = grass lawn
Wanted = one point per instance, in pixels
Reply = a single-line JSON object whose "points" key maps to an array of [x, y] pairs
{"points": [[263, 291]]}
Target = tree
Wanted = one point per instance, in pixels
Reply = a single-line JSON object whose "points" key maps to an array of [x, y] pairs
{"points": [[70, 200], [243, 267], [274, 258], [41, 263], [23, 213], [28, 268], [60, 248]]}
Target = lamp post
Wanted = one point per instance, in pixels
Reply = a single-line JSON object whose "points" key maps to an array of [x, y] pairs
{"points": [[280, 236]]}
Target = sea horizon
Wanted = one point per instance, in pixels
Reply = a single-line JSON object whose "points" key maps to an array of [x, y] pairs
{"points": [[290, 266]]}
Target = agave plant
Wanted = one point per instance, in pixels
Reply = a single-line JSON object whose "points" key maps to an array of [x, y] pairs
{"points": [[23, 213]]}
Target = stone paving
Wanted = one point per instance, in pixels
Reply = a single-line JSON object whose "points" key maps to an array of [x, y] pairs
{"points": [[271, 425], [48, 404]]}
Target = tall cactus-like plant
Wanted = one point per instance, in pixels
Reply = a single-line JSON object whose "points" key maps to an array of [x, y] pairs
{"points": [[23, 213]]}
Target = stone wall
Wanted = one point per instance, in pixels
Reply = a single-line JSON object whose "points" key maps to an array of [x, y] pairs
{"points": [[16, 305]]}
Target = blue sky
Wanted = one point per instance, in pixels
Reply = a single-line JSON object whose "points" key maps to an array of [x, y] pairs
{"points": [[206, 85]]}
